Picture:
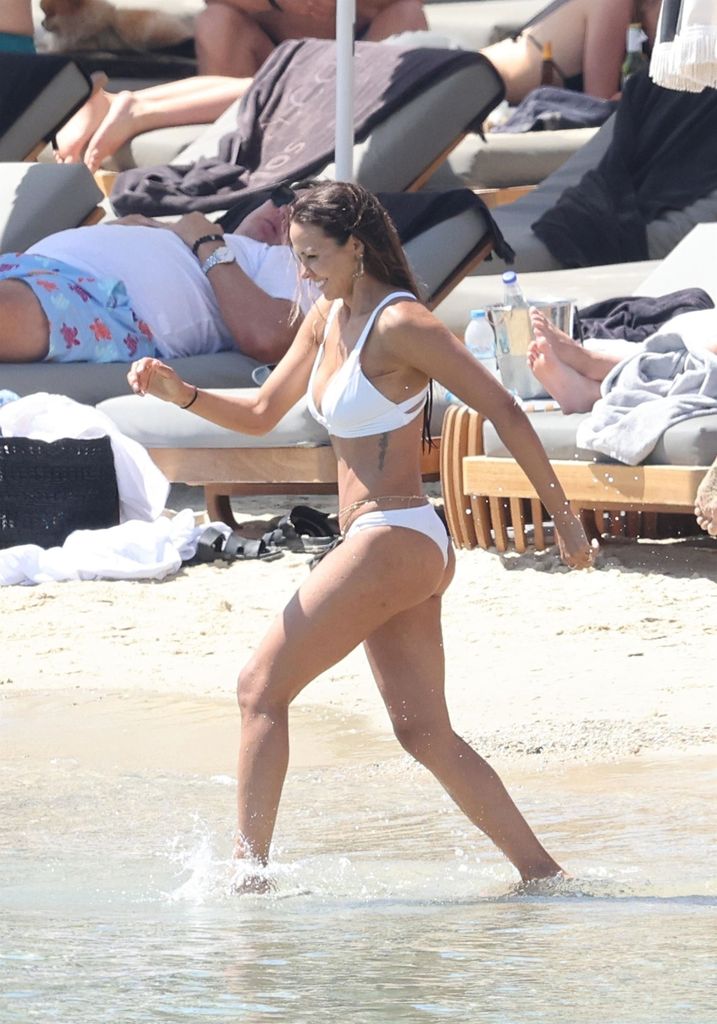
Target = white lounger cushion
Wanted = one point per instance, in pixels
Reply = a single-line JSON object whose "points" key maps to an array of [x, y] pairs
{"points": [[157, 424]]}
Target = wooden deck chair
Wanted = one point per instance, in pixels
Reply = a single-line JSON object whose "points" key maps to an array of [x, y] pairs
{"points": [[399, 152], [37, 200], [490, 502]]}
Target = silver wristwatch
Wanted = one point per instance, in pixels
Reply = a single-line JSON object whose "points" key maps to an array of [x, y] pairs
{"points": [[221, 255]]}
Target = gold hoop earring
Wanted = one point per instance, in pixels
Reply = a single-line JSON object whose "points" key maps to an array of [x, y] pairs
{"points": [[358, 272]]}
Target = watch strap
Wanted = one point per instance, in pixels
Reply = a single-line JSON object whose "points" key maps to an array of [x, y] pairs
{"points": [[221, 255]]}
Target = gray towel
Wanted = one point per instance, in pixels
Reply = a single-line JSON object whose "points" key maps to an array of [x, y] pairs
{"points": [[662, 384]]}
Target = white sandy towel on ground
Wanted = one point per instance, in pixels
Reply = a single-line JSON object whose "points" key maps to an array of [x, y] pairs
{"points": [[143, 488], [144, 546], [131, 551]]}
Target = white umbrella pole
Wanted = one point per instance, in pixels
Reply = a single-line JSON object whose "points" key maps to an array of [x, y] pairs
{"points": [[345, 18]]}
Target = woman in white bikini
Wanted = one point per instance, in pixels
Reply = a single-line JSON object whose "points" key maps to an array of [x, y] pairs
{"points": [[364, 357]]}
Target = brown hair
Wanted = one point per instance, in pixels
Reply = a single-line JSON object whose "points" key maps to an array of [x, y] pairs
{"points": [[341, 210]]}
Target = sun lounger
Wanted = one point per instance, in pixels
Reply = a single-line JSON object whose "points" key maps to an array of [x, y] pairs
{"points": [[489, 501], [38, 94], [39, 199]]}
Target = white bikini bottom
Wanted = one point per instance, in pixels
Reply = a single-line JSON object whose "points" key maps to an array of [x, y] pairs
{"points": [[423, 518]]}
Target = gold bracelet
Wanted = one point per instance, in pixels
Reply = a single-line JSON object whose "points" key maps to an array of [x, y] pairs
{"points": [[192, 400]]}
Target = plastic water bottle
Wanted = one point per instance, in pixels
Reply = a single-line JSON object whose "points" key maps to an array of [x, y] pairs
{"points": [[480, 340], [512, 292]]}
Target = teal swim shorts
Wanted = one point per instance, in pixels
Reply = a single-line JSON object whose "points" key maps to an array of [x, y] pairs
{"points": [[12, 43], [90, 318]]}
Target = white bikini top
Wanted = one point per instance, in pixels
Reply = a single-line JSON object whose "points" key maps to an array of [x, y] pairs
{"points": [[351, 405]]}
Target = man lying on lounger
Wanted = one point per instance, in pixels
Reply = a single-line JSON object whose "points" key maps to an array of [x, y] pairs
{"points": [[115, 292]]}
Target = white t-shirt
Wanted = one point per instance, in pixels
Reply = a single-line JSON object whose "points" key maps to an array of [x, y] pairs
{"points": [[164, 281]]}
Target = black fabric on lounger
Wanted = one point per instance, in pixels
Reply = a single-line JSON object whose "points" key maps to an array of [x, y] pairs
{"points": [[163, 64], [411, 212], [549, 108], [286, 124], [663, 156], [636, 317]]}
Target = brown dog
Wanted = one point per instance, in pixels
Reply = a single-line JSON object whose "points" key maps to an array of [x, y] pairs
{"points": [[98, 25]]}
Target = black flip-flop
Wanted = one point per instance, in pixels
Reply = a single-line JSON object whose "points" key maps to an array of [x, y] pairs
{"points": [[309, 522], [213, 545], [306, 530]]}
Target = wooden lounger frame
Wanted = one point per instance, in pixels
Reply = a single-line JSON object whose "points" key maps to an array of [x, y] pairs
{"points": [[232, 472], [484, 496]]}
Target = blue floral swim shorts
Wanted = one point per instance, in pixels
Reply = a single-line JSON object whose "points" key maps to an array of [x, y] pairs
{"points": [[90, 318]]}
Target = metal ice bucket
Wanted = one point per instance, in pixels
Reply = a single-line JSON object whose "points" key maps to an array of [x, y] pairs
{"points": [[513, 335]]}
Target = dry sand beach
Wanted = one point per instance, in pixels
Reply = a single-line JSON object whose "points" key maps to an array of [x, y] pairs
{"points": [[542, 663]]}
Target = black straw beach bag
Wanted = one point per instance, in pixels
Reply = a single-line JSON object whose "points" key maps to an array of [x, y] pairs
{"points": [[50, 488]]}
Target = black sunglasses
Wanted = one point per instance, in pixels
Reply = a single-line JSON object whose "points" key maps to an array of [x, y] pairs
{"points": [[282, 195]]}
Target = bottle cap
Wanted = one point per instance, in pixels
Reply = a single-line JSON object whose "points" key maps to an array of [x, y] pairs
{"points": [[477, 314], [509, 277]]}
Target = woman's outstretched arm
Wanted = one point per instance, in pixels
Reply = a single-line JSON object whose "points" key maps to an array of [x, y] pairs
{"points": [[260, 409], [416, 337]]}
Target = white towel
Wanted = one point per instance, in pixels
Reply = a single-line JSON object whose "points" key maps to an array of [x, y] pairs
{"points": [[661, 385], [686, 59], [131, 551], [142, 487]]}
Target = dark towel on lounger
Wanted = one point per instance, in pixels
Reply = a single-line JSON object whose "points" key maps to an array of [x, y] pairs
{"points": [[549, 109], [636, 317], [662, 157], [286, 125]]}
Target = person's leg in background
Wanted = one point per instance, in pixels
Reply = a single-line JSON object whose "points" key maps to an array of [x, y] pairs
{"points": [[16, 28], [108, 120]]}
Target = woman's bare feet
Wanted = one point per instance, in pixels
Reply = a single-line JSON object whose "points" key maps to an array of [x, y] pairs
{"points": [[573, 391], [74, 136], [706, 502]]}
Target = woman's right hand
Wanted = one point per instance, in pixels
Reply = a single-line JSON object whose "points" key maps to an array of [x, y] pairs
{"points": [[152, 377], [575, 549]]}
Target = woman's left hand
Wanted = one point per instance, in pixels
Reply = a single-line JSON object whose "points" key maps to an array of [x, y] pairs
{"points": [[575, 548]]}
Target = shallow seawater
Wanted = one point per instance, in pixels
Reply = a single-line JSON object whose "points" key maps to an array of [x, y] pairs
{"points": [[115, 881]]}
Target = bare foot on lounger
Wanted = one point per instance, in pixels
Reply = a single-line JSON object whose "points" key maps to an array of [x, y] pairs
{"points": [[593, 364], [706, 502], [545, 330], [119, 124], [573, 391], [74, 136]]}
